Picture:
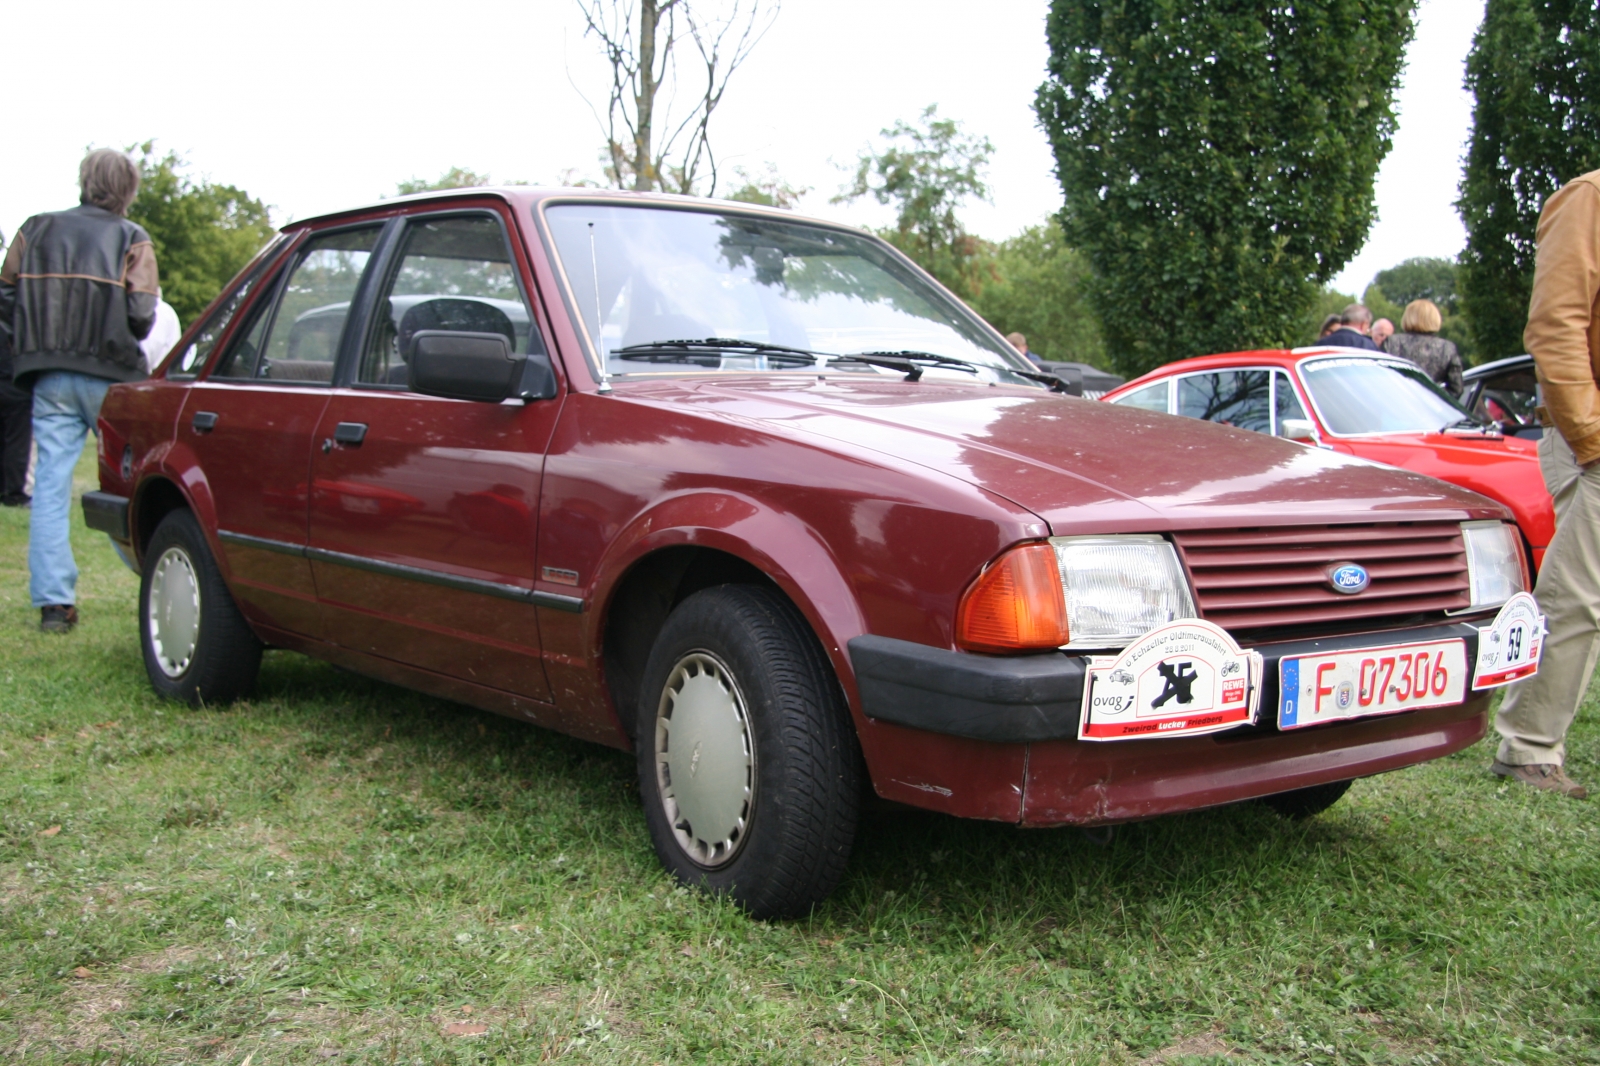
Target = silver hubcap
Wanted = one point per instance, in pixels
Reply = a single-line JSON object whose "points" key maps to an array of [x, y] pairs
{"points": [[705, 759], [174, 611]]}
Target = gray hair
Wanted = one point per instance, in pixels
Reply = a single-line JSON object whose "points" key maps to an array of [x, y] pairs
{"points": [[109, 179], [1356, 315]]}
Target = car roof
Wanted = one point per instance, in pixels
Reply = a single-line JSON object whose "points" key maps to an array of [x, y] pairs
{"points": [[1286, 358], [1514, 362], [530, 195]]}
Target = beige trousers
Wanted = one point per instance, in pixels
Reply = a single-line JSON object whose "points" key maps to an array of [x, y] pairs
{"points": [[1534, 718]]}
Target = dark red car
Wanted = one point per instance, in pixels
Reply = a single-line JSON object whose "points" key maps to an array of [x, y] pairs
{"points": [[754, 497]]}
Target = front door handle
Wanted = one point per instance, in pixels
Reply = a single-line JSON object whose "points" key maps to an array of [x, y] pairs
{"points": [[351, 433], [204, 421]]}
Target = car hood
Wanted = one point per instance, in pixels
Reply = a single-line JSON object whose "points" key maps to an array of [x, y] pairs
{"points": [[1085, 466], [1503, 468]]}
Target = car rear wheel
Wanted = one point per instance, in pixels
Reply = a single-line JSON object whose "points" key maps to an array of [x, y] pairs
{"points": [[1305, 803], [197, 647], [748, 763]]}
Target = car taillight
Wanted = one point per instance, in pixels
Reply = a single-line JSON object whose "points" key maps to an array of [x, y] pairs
{"points": [[1015, 605]]}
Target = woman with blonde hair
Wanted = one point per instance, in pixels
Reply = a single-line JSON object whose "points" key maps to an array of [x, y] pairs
{"points": [[1419, 341]]}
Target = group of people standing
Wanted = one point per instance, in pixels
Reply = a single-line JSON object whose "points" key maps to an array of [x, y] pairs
{"points": [[80, 309], [1418, 339]]}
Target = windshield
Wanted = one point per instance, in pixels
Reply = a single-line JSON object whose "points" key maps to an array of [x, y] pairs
{"points": [[1379, 396], [643, 276]]}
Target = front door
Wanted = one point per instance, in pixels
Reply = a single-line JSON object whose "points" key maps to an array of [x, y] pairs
{"points": [[250, 424], [424, 510]]}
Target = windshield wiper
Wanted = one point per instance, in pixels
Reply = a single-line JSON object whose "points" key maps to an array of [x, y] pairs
{"points": [[911, 363], [1466, 423], [671, 350]]}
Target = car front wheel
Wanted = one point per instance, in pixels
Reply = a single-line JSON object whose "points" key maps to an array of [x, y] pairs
{"points": [[748, 762], [197, 647]]}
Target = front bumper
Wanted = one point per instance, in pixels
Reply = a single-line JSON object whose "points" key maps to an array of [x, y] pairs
{"points": [[1027, 699]]}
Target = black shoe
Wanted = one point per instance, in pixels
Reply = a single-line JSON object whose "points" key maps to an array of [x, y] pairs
{"points": [[58, 618], [19, 500]]}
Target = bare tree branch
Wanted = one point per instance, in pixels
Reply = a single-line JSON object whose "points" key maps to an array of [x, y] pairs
{"points": [[639, 40]]}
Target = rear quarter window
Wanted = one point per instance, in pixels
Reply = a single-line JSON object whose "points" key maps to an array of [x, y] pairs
{"points": [[1149, 398], [188, 361]]}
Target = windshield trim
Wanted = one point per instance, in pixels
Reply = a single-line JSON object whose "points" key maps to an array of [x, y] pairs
{"points": [[619, 198], [1383, 359]]}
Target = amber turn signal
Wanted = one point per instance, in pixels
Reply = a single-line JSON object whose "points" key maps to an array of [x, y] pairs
{"points": [[1015, 605]]}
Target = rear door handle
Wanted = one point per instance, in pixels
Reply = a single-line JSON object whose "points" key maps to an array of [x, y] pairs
{"points": [[351, 433], [204, 421]]}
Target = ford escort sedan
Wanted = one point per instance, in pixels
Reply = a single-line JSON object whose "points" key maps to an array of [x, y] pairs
{"points": [[754, 498], [1367, 404]]}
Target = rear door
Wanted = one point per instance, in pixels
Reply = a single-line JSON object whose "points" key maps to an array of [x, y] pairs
{"points": [[424, 510], [250, 422]]}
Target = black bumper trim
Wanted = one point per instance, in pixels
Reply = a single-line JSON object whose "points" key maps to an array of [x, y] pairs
{"points": [[106, 513], [1039, 697]]}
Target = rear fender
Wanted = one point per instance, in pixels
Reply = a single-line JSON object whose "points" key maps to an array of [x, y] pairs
{"points": [[175, 463]]}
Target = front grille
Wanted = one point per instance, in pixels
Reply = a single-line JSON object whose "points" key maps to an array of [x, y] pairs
{"points": [[1252, 579]]}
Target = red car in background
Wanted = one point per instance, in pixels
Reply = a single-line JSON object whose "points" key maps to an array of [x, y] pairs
{"points": [[1367, 404]]}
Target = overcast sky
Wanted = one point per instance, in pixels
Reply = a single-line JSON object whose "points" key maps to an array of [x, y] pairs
{"points": [[313, 106]]}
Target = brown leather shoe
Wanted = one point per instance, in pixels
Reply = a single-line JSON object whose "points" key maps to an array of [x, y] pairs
{"points": [[58, 618], [1545, 775]]}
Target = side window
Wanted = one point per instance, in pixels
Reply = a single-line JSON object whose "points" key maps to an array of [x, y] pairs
{"points": [[453, 273], [1231, 398], [188, 362], [1509, 398], [239, 362], [296, 336], [1286, 402], [1149, 398]]}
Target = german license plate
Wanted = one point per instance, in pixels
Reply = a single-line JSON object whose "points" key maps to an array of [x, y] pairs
{"points": [[1356, 684]]}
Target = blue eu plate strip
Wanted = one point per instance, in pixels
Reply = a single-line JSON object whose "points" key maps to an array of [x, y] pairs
{"points": [[1289, 692]]}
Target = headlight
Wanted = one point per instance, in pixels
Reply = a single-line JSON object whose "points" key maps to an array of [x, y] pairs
{"points": [[1074, 592], [1494, 562], [1118, 588]]}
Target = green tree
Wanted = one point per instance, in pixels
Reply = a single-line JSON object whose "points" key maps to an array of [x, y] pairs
{"points": [[1218, 159], [203, 232], [1037, 289], [454, 178], [928, 171], [1534, 72], [1422, 278], [1328, 301], [768, 190]]}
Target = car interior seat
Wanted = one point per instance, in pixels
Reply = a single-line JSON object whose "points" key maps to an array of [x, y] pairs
{"points": [[449, 313]]}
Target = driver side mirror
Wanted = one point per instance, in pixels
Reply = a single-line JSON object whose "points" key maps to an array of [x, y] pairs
{"points": [[1300, 430], [476, 366]]}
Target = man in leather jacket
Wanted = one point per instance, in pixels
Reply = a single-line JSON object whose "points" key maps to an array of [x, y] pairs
{"points": [[79, 288], [16, 426]]}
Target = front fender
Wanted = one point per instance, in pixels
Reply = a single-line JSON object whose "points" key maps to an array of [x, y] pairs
{"points": [[793, 554]]}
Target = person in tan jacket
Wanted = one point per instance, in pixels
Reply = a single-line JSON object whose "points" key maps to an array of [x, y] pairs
{"points": [[1563, 336]]}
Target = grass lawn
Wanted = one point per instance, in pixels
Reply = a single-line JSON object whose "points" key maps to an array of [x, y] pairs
{"points": [[341, 871]]}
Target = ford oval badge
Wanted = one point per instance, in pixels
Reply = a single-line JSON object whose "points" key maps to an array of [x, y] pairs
{"points": [[1348, 578]]}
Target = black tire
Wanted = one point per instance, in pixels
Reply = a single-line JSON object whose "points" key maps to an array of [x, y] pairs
{"points": [[223, 655], [1305, 803], [802, 772]]}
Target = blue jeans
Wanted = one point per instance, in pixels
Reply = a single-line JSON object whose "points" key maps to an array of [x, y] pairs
{"points": [[65, 407]]}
